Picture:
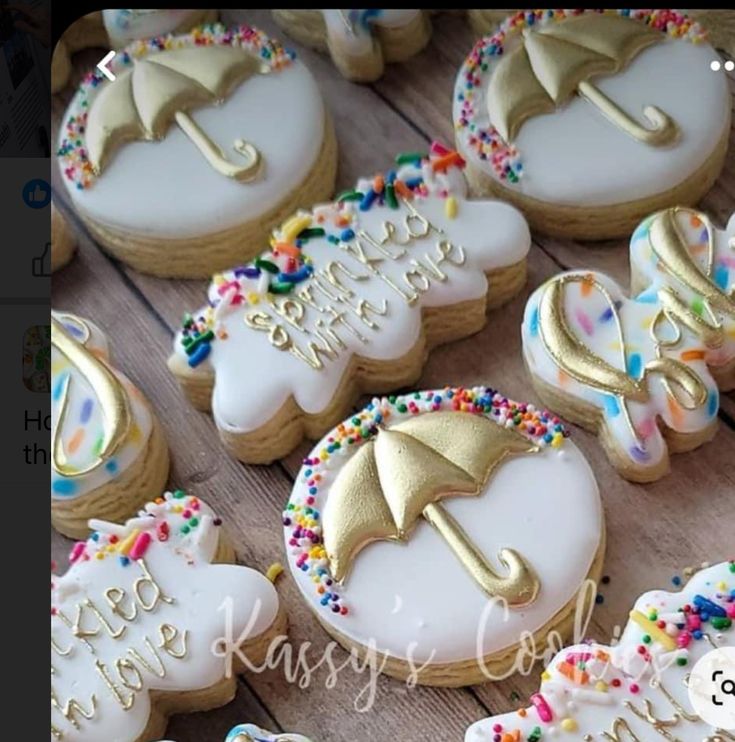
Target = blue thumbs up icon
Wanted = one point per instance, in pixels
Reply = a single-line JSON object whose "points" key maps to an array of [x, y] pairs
{"points": [[37, 193]]}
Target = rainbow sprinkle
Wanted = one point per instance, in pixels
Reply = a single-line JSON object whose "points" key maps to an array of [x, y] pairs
{"points": [[286, 264], [72, 151], [302, 517], [487, 142]]}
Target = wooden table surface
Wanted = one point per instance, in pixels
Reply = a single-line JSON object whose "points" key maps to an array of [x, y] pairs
{"points": [[653, 531]]}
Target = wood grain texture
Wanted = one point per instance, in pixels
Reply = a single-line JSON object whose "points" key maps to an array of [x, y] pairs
{"points": [[653, 531]]}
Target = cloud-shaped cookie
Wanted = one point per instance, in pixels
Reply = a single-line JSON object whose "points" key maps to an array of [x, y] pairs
{"points": [[636, 689], [143, 615], [349, 298]]}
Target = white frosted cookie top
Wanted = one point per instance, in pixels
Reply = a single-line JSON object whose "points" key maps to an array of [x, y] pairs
{"points": [[167, 188], [651, 353], [85, 390], [569, 152], [593, 691], [140, 609], [253, 733], [352, 29], [346, 280], [416, 598], [124, 25]]}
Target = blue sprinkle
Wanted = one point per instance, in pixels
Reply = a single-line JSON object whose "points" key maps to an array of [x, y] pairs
{"points": [[713, 402], [649, 296], [199, 354], [712, 608], [59, 388], [367, 200], [533, 322], [607, 315], [722, 276], [111, 466], [124, 560], [347, 235], [612, 408], [297, 276], [634, 365], [86, 413], [64, 487], [676, 580], [414, 182]]}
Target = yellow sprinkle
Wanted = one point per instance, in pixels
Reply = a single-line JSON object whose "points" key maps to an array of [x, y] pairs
{"points": [[274, 571], [253, 298], [99, 555], [294, 226], [601, 686], [722, 586], [656, 634], [127, 543], [557, 440], [218, 278], [545, 675], [450, 207], [569, 725]]}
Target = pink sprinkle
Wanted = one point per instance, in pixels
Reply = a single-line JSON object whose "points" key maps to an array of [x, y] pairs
{"points": [[694, 622], [438, 149], [683, 640], [76, 551], [647, 427], [542, 708], [140, 546], [585, 322]]}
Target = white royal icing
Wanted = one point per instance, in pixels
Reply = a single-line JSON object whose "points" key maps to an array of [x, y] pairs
{"points": [[586, 688], [167, 190], [352, 30], [84, 420], [253, 733], [124, 25], [576, 157], [254, 378], [415, 599], [588, 314], [183, 541]]}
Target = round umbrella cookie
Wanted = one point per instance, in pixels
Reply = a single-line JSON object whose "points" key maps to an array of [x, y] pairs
{"points": [[435, 530], [360, 42], [152, 618], [108, 451], [182, 164], [589, 120]]}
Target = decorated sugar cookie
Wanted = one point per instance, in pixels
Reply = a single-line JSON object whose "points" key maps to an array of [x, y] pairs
{"points": [[350, 297], [642, 371], [63, 243], [637, 689], [84, 33], [125, 25], [183, 163], [146, 622], [419, 529], [589, 120], [108, 451], [360, 42], [252, 733]]}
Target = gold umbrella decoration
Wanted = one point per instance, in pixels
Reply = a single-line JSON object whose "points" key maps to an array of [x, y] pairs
{"points": [[403, 473], [143, 101], [106, 386], [557, 60]]}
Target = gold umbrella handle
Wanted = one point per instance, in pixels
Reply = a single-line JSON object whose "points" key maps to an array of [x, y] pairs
{"points": [[519, 588], [663, 129], [215, 156]]}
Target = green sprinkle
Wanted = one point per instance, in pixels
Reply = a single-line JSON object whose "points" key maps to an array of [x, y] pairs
{"points": [[646, 639], [193, 522], [402, 407], [281, 287], [185, 529], [266, 265], [309, 232], [720, 622], [698, 306], [178, 494], [350, 196], [409, 157], [681, 661], [390, 196]]}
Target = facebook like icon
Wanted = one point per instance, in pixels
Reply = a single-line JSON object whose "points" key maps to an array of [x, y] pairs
{"points": [[37, 194]]}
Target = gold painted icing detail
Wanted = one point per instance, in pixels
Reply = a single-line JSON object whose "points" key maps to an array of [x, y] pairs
{"points": [[576, 359], [554, 62], [107, 388], [401, 475], [144, 101]]}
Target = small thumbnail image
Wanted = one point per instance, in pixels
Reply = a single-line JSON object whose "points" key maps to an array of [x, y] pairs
{"points": [[37, 358]]}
